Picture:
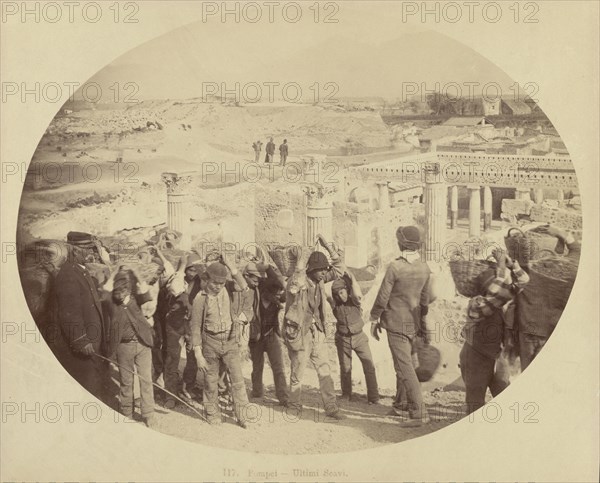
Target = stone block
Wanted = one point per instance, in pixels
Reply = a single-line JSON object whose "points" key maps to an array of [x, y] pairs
{"points": [[568, 218], [514, 208]]}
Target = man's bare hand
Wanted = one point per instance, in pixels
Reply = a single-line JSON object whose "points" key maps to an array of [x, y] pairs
{"points": [[88, 350], [375, 330], [201, 361]]}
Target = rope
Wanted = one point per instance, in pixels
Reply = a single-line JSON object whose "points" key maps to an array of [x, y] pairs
{"points": [[154, 384]]}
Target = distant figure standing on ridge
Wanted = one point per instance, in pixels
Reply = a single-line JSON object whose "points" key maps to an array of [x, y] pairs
{"points": [[270, 150], [257, 146], [283, 152]]}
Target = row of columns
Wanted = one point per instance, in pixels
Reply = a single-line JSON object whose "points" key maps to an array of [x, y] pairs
{"points": [[474, 208], [319, 204]]}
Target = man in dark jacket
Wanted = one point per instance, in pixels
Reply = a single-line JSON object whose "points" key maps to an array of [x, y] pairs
{"points": [[80, 330], [400, 308], [283, 152], [270, 151], [266, 286]]}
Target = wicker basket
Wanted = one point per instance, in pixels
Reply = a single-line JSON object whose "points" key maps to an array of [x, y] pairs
{"points": [[552, 279], [286, 258], [524, 246], [465, 274]]}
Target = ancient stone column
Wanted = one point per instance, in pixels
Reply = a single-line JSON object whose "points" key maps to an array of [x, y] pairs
{"points": [[453, 206], [487, 208], [538, 196], [435, 198], [474, 210], [319, 212], [560, 195], [523, 194], [178, 216], [384, 195]]}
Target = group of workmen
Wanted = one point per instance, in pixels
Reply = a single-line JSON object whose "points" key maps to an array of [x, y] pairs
{"points": [[270, 151], [211, 308]]}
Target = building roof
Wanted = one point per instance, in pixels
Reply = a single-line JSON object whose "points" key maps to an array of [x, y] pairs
{"points": [[467, 121], [517, 106]]}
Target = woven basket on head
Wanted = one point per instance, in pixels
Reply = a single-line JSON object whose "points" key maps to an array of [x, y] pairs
{"points": [[148, 271], [555, 274], [524, 246], [286, 258], [465, 274]]}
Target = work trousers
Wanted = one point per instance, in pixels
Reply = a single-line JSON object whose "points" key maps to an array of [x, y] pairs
{"points": [[480, 372], [358, 343], [529, 347], [134, 355], [407, 383], [172, 359], [220, 350], [271, 344], [315, 349]]}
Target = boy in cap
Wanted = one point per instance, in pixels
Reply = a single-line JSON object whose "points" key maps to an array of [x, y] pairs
{"points": [[215, 334], [305, 328], [267, 292], [132, 340], [179, 295], [349, 336], [484, 330], [401, 307]]}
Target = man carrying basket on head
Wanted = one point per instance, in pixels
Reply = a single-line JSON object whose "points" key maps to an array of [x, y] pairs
{"points": [[484, 330], [539, 307], [305, 328]]}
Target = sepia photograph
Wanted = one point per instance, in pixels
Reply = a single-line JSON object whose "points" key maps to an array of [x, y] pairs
{"points": [[297, 232]]}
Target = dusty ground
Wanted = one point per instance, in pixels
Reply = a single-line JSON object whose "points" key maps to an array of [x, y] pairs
{"points": [[274, 430]]}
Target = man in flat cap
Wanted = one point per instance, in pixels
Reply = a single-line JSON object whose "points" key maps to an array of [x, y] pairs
{"points": [[400, 308], [80, 330], [215, 335]]}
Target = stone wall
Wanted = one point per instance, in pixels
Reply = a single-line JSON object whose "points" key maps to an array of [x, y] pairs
{"points": [[563, 216], [368, 236], [279, 214]]}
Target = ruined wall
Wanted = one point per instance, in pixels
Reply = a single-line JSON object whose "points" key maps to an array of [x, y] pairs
{"points": [[279, 214], [558, 214], [368, 236]]}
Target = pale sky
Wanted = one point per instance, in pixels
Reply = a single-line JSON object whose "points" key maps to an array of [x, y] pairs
{"points": [[364, 54]]}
